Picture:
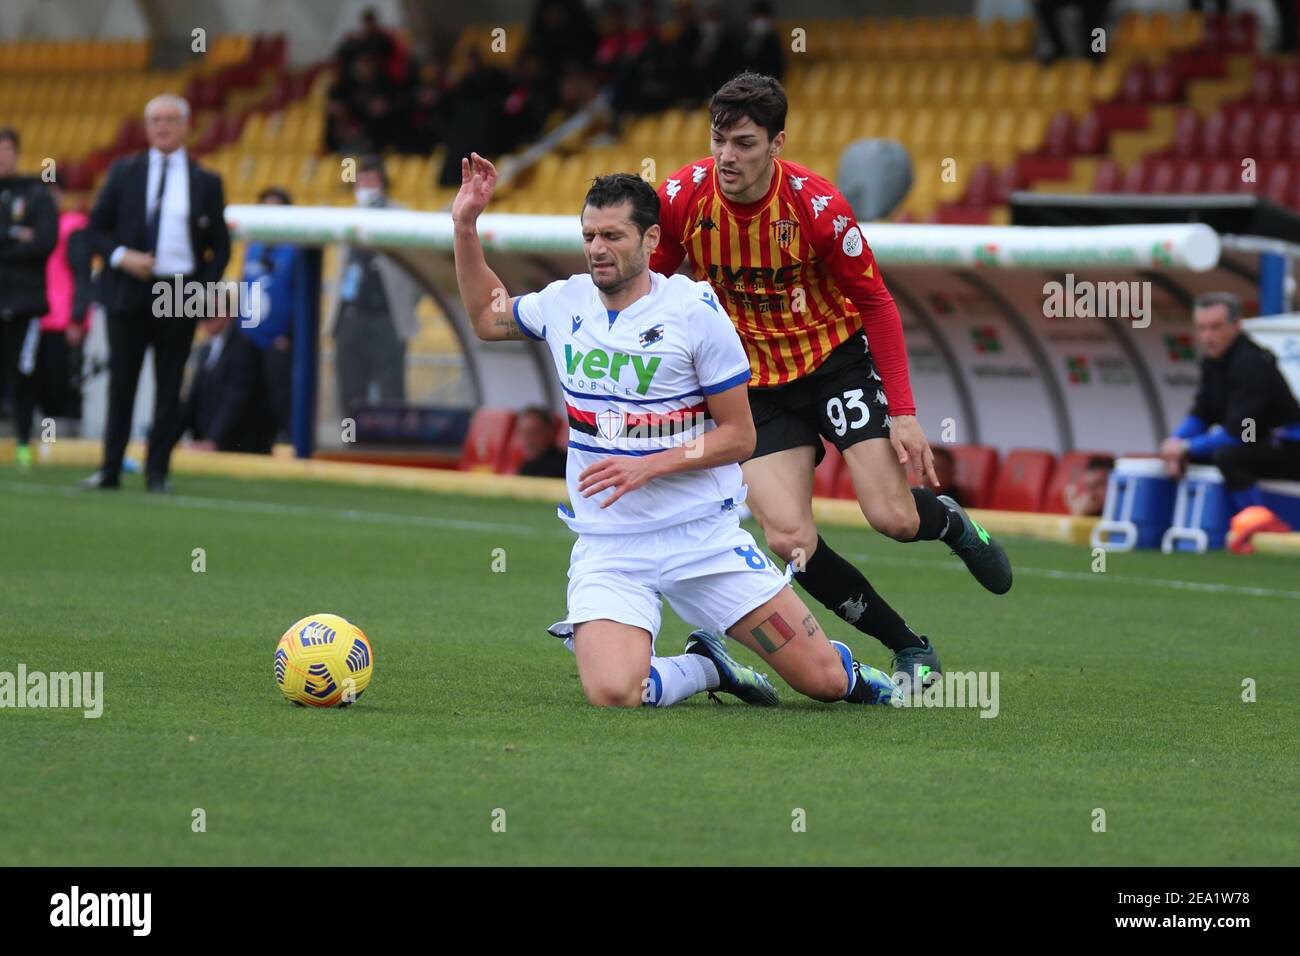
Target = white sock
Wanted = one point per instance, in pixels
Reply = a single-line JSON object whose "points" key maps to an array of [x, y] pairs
{"points": [[676, 678]]}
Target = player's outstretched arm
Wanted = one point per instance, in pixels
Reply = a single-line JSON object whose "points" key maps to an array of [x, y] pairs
{"points": [[731, 441], [487, 303]]}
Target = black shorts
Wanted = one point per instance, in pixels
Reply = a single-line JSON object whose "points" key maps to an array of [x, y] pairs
{"points": [[842, 400]]}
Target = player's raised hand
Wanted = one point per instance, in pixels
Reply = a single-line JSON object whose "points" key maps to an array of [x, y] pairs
{"points": [[911, 445], [623, 473], [478, 178]]}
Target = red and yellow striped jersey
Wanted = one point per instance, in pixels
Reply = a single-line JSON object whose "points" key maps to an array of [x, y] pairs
{"points": [[793, 271]]}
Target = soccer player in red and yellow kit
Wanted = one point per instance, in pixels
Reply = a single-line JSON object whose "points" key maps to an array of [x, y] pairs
{"points": [[790, 265]]}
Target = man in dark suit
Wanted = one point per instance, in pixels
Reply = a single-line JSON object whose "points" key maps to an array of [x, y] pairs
{"points": [[159, 216], [229, 405]]}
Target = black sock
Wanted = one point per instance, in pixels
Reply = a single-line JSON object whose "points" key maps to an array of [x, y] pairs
{"points": [[938, 521], [842, 588]]}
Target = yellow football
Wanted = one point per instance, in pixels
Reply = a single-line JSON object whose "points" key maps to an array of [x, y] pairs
{"points": [[323, 661]]}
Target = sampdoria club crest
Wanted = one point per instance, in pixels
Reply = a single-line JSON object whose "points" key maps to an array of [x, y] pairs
{"points": [[609, 423]]}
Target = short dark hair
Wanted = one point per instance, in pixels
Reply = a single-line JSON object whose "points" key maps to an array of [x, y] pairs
{"points": [[11, 134], [618, 188], [1099, 461], [538, 411], [1228, 300], [373, 164], [753, 96], [275, 192]]}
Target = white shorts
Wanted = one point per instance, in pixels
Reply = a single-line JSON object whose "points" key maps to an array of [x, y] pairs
{"points": [[711, 571]]}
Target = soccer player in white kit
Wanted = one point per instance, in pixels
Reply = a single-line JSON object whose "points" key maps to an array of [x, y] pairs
{"points": [[655, 380]]}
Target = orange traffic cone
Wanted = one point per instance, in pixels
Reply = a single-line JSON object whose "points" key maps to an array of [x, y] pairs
{"points": [[1247, 522]]}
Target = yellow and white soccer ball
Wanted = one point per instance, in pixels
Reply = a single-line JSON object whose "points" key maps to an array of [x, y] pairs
{"points": [[323, 661]]}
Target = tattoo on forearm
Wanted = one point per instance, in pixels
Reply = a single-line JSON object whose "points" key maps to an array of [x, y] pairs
{"points": [[507, 322], [810, 625], [773, 634]]}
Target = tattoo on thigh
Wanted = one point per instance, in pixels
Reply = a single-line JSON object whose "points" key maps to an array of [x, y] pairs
{"points": [[773, 633], [810, 625]]}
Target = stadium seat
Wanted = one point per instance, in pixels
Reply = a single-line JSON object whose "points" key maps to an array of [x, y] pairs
{"points": [[828, 472], [1022, 480], [487, 439], [975, 467], [1068, 469], [1109, 178]]}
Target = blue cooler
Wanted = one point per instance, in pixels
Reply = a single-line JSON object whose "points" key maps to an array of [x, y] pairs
{"points": [[1139, 506], [1283, 499], [1201, 512]]}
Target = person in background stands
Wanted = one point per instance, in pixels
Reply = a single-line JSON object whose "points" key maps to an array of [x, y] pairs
{"points": [[159, 216], [374, 311], [228, 407], [1087, 494], [29, 228], [278, 270], [542, 457], [1244, 418], [58, 361]]}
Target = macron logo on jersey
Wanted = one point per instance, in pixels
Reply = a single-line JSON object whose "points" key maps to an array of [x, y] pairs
{"points": [[577, 323], [598, 363]]}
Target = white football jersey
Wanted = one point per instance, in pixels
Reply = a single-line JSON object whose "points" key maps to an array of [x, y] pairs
{"points": [[635, 383]]}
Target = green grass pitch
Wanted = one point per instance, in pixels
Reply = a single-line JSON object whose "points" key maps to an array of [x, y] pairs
{"points": [[1119, 690]]}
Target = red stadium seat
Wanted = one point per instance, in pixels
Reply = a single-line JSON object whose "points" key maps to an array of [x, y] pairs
{"points": [[1288, 85], [1056, 141], [1276, 183], [1089, 138], [1166, 84], [1022, 480], [1135, 178], [1068, 469], [1135, 88], [1160, 177], [980, 189], [1263, 83], [1191, 176], [1291, 138], [1187, 130], [1008, 181], [975, 467], [1269, 135], [1221, 176], [828, 471], [1213, 136], [1109, 178], [487, 438]]}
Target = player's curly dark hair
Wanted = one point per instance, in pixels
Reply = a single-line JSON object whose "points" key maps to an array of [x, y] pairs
{"points": [[753, 95], [626, 187]]}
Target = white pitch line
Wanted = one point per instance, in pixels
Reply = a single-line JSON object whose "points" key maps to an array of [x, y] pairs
{"points": [[1171, 583], [304, 511], [428, 521]]}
